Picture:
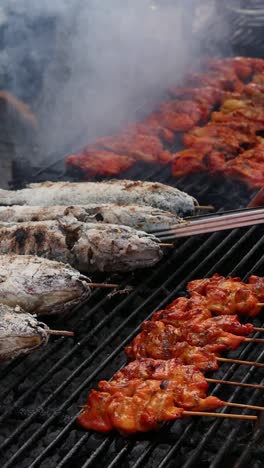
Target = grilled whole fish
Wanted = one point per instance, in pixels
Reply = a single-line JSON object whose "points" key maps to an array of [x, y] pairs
{"points": [[120, 192], [40, 286], [85, 246], [20, 333], [144, 218]]}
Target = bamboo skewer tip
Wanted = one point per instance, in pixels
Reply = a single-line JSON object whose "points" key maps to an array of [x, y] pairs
{"points": [[258, 329], [220, 415], [239, 361], [241, 405], [103, 285], [161, 244], [238, 384], [204, 207], [60, 332], [254, 340]]}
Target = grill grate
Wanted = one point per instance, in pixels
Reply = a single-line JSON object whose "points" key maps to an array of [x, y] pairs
{"points": [[41, 391]]}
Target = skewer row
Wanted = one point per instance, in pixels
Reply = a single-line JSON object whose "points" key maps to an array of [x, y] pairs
{"points": [[149, 334]]}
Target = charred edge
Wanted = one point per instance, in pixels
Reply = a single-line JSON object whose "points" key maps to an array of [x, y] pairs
{"points": [[35, 218], [71, 237], [39, 238], [99, 217], [20, 236], [164, 384], [152, 188]]}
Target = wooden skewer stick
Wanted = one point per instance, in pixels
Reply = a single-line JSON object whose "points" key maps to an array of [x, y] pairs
{"points": [[60, 332], [260, 304], [254, 340], [220, 415], [258, 329], [238, 384], [103, 285], [204, 207], [238, 361], [240, 405]]}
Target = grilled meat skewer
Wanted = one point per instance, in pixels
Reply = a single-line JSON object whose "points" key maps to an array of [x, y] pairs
{"points": [[204, 359], [20, 333], [230, 295], [228, 323], [40, 286], [159, 369], [138, 405], [87, 247], [144, 218], [120, 192], [160, 340], [155, 386]]}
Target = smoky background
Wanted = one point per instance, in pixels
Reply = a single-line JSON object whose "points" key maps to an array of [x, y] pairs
{"points": [[88, 68]]}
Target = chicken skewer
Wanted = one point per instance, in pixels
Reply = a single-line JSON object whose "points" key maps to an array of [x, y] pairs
{"points": [[138, 404], [158, 369], [146, 391], [190, 394], [194, 310], [230, 295], [120, 192], [183, 312], [158, 339], [21, 333], [144, 218], [87, 247]]}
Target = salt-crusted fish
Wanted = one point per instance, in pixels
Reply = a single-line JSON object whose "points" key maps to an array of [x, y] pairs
{"points": [[40, 286], [144, 218], [20, 332], [86, 246], [120, 192]]}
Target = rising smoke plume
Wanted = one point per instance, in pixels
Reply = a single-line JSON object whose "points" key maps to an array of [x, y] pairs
{"points": [[98, 64]]}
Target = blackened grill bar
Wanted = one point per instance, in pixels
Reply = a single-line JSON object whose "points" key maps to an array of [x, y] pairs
{"points": [[198, 271], [210, 256]]}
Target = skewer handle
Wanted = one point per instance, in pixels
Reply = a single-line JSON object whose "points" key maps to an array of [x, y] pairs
{"points": [[240, 405], [260, 304], [220, 415], [254, 340], [103, 285], [237, 384], [258, 329], [238, 361], [204, 207], [60, 332]]}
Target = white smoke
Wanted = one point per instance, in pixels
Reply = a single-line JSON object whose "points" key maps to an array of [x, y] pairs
{"points": [[106, 60]]}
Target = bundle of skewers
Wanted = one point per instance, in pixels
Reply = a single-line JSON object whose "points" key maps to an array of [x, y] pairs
{"points": [[165, 379], [112, 226], [218, 116]]}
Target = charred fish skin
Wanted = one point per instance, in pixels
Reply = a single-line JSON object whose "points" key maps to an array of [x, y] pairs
{"points": [[120, 192], [144, 218], [88, 247], [20, 333], [41, 286], [115, 248]]}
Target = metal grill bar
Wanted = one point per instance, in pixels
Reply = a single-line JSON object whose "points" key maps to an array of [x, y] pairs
{"points": [[150, 449], [207, 254], [221, 245]]}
